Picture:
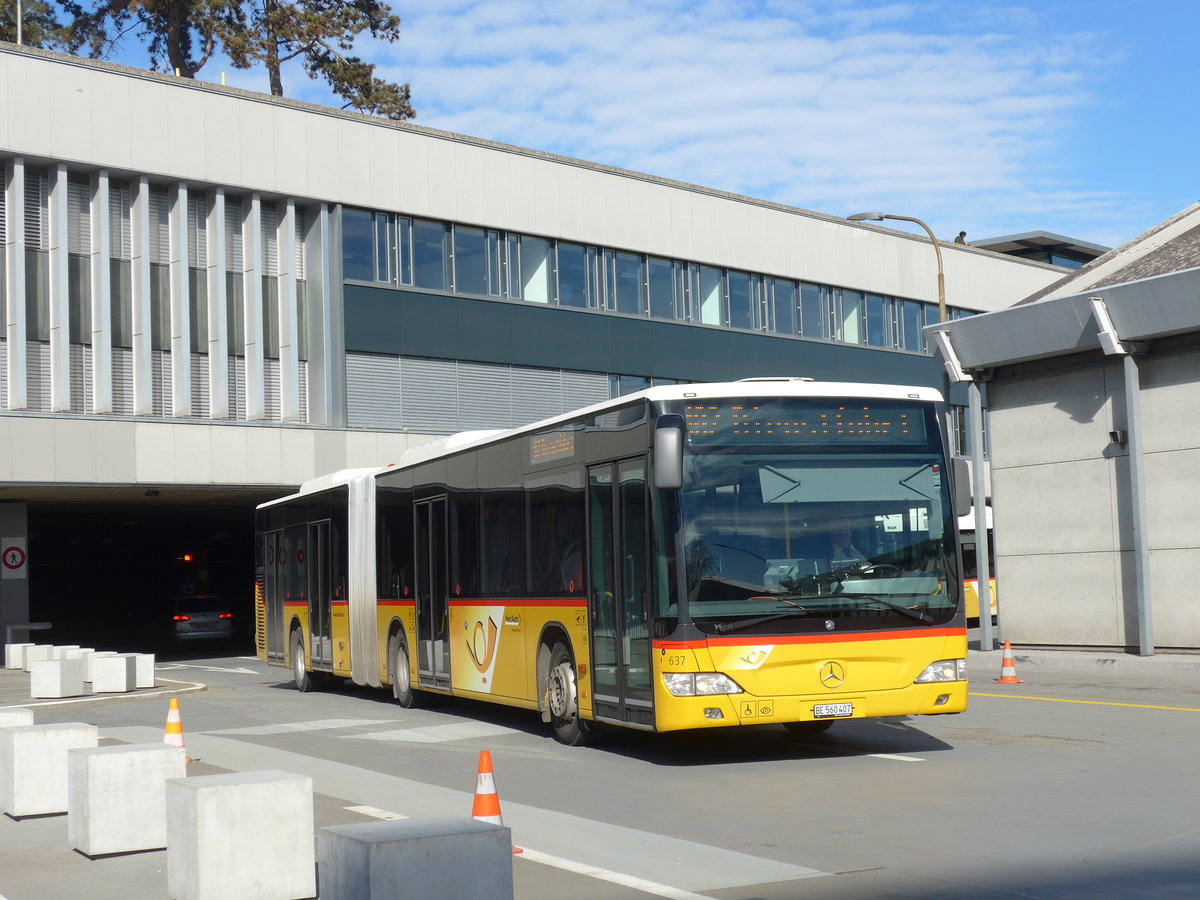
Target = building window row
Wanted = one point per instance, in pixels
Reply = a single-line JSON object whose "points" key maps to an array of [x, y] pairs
{"points": [[447, 257]]}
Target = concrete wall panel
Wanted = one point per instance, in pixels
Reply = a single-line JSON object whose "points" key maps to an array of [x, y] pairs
{"points": [[151, 154], [471, 193], [1061, 599], [324, 161], [264, 461], [223, 164], [1052, 419], [384, 170], [72, 88], [257, 146], [1173, 499], [1176, 591], [186, 132], [1169, 415], [292, 147], [1057, 508]]}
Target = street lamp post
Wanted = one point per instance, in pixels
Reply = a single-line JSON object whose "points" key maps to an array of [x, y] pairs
{"points": [[941, 277]]}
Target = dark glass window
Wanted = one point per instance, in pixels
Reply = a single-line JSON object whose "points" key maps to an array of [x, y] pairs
{"points": [[741, 300], [394, 577], [556, 536], [470, 260], [429, 254], [573, 275], [358, 245], [783, 306], [503, 544], [661, 279], [626, 275], [813, 320]]}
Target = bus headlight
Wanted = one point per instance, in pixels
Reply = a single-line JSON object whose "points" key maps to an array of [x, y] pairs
{"points": [[687, 684], [943, 670]]}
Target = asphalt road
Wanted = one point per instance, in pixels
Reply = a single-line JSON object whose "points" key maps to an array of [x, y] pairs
{"points": [[1070, 785]]}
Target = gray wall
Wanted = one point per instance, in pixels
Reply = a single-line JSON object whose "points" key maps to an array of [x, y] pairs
{"points": [[1063, 505]]}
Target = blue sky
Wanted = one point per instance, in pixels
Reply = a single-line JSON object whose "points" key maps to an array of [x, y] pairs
{"points": [[995, 118]]}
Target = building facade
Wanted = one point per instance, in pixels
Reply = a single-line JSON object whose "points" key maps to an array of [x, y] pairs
{"points": [[212, 295], [1094, 448]]}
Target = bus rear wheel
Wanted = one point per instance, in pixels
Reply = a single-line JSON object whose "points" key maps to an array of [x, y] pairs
{"points": [[401, 673], [562, 699], [303, 678]]}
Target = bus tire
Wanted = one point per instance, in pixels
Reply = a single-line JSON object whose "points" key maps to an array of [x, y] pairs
{"points": [[562, 699], [808, 729], [302, 677], [401, 674]]}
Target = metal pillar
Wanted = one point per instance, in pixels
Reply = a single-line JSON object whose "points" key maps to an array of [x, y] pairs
{"points": [[1137, 485], [984, 584]]}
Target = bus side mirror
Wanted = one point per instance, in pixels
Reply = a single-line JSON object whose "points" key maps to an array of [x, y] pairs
{"points": [[668, 453], [963, 495]]}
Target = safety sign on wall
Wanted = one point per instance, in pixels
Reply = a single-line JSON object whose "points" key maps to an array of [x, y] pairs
{"points": [[13, 558]]}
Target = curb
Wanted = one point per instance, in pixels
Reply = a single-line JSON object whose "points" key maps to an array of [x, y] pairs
{"points": [[186, 687]]}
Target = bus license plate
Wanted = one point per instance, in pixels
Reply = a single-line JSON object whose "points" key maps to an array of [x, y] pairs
{"points": [[832, 710]]}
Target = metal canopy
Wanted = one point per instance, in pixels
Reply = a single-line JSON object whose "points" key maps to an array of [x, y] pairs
{"points": [[1140, 311]]}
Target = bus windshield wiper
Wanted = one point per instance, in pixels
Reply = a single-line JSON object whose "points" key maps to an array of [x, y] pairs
{"points": [[725, 627], [919, 615]]}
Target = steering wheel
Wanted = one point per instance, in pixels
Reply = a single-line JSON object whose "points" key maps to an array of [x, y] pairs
{"points": [[887, 568]]}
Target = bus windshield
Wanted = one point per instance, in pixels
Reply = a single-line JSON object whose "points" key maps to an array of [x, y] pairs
{"points": [[817, 533]]}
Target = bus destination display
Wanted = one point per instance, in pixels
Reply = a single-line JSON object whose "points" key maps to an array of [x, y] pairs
{"points": [[805, 422], [544, 448]]}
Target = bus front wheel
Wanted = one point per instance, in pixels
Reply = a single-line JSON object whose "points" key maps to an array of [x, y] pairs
{"points": [[304, 680], [402, 688], [562, 699]]}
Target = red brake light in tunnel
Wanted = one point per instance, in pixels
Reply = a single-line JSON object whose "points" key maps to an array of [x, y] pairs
{"points": [[181, 618], [225, 616]]}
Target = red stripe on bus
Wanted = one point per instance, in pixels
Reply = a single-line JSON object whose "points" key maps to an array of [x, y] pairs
{"points": [[843, 638], [303, 603], [536, 601], [396, 602]]}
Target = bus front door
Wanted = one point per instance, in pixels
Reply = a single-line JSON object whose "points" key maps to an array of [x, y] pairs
{"points": [[432, 607], [619, 592]]}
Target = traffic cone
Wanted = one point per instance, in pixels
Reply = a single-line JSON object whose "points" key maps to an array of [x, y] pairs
{"points": [[486, 807], [1008, 671], [173, 734]]}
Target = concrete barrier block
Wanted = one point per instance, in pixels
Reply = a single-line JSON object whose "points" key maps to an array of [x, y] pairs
{"points": [[15, 716], [113, 674], [90, 659], [14, 655], [117, 796], [143, 670], [36, 652], [247, 835], [33, 766], [62, 651], [56, 678], [443, 856]]}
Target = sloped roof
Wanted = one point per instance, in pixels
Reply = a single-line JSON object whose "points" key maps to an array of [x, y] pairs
{"points": [[1170, 246]]}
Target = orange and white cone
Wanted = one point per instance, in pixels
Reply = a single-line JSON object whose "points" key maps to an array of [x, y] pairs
{"points": [[486, 807], [1008, 671], [174, 731]]}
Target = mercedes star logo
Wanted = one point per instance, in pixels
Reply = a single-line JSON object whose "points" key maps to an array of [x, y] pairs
{"points": [[832, 674]]}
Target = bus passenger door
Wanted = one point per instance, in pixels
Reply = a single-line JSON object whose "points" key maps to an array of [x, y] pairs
{"points": [[619, 592], [433, 600], [320, 593], [273, 594]]}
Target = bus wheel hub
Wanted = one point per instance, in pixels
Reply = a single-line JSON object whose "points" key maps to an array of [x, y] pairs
{"points": [[562, 691]]}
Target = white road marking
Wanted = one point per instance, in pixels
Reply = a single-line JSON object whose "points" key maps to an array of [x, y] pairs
{"points": [[375, 813], [435, 734], [630, 881], [657, 859], [314, 725], [237, 671], [896, 756]]}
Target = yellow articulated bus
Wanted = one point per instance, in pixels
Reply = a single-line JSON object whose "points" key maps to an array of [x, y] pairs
{"points": [[970, 550], [768, 551]]}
